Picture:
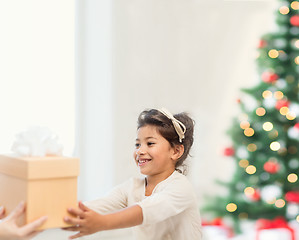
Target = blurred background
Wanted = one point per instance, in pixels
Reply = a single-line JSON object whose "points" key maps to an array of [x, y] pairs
{"points": [[86, 69]]}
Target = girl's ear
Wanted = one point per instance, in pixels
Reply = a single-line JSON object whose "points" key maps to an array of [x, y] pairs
{"points": [[178, 151]]}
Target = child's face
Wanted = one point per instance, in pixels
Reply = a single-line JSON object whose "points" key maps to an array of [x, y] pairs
{"points": [[153, 154]]}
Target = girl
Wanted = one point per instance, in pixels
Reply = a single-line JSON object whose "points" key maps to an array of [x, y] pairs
{"points": [[162, 205]]}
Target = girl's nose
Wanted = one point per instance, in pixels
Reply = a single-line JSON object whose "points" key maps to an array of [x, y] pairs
{"points": [[140, 150]]}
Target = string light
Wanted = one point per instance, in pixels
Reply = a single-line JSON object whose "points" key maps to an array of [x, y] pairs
{"points": [[297, 43], [249, 191], [260, 111], [244, 124], [284, 111], [292, 178], [267, 94], [297, 218], [295, 5], [267, 126], [297, 60], [248, 132], [291, 116], [275, 146], [278, 95], [243, 215], [251, 147], [273, 53], [282, 151], [243, 163], [284, 10], [280, 203], [231, 207], [273, 134], [251, 169]]}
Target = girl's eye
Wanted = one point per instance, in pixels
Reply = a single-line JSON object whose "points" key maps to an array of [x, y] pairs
{"points": [[150, 143], [137, 145]]}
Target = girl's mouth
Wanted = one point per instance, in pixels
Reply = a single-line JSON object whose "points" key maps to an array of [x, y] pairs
{"points": [[142, 162]]}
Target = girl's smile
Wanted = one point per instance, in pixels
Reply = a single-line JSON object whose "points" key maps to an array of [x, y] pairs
{"points": [[154, 154]]}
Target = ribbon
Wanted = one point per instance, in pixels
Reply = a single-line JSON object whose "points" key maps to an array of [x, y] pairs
{"points": [[36, 141], [179, 127], [218, 222], [278, 222]]}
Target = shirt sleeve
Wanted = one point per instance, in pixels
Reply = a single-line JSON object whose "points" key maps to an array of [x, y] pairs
{"points": [[168, 202], [115, 200]]}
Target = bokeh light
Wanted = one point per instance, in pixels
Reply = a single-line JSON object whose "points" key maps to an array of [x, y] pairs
{"points": [[275, 146], [280, 203], [273, 134], [267, 94], [278, 95], [292, 178], [284, 10], [244, 124], [243, 163], [291, 116], [231, 207], [273, 53], [267, 126], [248, 132], [249, 191], [284, 110], [260, 111], [295, 5], [251, 147], [251, 169]]}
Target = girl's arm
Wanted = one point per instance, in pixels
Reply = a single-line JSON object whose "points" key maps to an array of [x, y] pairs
{"points": [[87, 221]]}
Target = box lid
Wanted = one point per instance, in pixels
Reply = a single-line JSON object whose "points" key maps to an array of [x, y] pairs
{"points": [[39, 167]]}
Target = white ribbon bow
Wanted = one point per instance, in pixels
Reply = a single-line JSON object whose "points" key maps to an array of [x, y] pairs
{"points": [[178, 126]]}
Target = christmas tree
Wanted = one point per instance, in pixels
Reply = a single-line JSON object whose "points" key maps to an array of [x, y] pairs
{"points": [[265, 136]]}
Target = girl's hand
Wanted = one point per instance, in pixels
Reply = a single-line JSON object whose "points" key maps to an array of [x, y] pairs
{"points": [[10, 230], [86, 221]]}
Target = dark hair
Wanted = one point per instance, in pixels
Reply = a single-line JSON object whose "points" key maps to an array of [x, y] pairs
{"points": [[166, 129]]}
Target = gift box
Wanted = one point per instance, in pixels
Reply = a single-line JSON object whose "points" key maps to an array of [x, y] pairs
{"points": [[275, 234], [48, 185], [277, 229], [216, 229]]}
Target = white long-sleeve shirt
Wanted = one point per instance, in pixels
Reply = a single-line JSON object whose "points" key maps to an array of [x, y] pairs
{"points": [[170, 213]]}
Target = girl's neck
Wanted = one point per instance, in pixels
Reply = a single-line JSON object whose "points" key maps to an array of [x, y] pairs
{"points": [[152, 181]]}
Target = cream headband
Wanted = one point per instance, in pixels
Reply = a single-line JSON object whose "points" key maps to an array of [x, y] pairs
{"points": [[176, 123]]}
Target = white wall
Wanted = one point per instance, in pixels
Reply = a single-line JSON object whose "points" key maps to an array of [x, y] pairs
{"points": [[186, 56], [37, 69]]}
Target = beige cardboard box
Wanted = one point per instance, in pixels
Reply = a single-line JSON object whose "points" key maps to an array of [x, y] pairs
{"points": [[48, 185]]}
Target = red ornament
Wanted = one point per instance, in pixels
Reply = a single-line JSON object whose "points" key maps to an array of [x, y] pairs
{"points": [[238, 100], [229, 151], [256, 196], [271, 167], [296, 126], [292, 196], [262, 43], [294, 20], [269, 77], [282, 103]]}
